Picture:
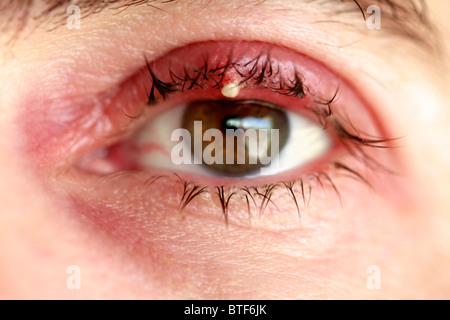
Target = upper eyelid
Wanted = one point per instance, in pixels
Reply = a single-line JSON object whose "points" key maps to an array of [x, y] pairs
{"points": [[407, 19]]}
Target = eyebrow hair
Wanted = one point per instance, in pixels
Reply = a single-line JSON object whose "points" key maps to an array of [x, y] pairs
{"points": [[405, 18]]}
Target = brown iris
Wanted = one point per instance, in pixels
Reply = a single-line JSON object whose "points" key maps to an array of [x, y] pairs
{"points": [[241, 132]]}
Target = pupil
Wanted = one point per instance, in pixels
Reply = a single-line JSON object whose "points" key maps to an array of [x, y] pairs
{"points": [[243, 138]]}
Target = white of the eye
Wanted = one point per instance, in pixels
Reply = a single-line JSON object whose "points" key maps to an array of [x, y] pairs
{"points": [[307, 142]]}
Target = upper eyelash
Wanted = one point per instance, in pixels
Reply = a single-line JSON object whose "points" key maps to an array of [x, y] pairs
{"points": [[260, 74], [322, 108]]}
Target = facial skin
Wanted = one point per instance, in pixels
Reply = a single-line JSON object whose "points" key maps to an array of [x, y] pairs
{"points": [[48, 220]]}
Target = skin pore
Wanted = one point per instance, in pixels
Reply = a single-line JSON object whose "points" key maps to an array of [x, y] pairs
{"points": [[130, 241]]}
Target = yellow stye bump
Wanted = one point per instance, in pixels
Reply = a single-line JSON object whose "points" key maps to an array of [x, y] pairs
{"points": [[231, 90]]}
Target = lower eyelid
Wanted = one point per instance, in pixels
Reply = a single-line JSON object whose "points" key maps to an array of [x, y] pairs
{"points": [[151, 221], [136, 209]]}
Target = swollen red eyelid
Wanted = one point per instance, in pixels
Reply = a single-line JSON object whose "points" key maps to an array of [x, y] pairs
{"points": [[250, 64]]}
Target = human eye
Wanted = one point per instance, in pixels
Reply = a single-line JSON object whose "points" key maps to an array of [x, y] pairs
{"points": [[250, 134], [223, 138], [126, 125], [295, 117]]}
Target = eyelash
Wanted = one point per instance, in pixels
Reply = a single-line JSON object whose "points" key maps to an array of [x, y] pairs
{"points": [[192, 190], [260, 75]]}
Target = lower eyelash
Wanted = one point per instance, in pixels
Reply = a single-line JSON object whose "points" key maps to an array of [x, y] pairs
{"points": [[259, 197]]}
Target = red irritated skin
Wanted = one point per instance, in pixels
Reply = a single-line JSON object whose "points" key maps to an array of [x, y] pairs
{"points": [[78, 96], [149, 213]]}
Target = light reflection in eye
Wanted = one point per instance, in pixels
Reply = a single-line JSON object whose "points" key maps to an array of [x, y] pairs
{"points": [[156, 145], [248, 123]]}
